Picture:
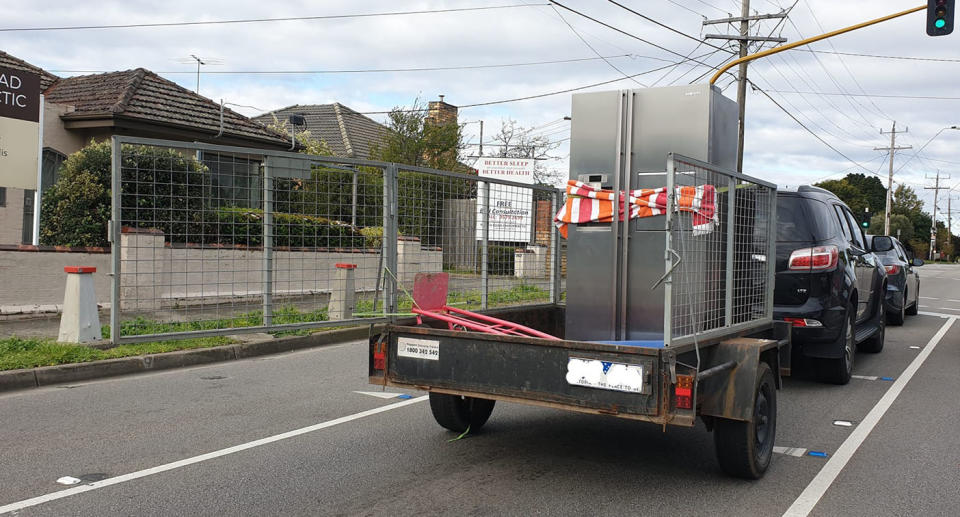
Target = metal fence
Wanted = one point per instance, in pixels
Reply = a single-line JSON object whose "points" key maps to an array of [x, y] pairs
{"points": [[721, 256], [215, 240]]}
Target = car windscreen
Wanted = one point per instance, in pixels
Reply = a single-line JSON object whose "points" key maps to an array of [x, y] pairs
{"points": [[802, 219]]}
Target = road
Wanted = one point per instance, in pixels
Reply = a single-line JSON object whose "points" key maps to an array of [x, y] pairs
{"points": [[291, 435]]}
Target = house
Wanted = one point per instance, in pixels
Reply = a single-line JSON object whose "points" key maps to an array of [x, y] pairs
{"points": [[347, 132], [132, 103]]}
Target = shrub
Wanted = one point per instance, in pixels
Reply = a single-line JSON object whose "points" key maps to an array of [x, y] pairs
{"points": [[161, 188], [245, 226], [500, 259]]}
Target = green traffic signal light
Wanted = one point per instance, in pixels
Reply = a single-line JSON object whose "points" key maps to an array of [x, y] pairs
{"points": [[940, 17], [865, 224], [940, 23]]}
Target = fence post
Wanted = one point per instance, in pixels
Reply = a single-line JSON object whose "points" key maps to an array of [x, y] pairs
{"points": [[267, 246], [390, 229], [555, 273], [484, 273], [113, 233], [342, 299], [731, 249]]}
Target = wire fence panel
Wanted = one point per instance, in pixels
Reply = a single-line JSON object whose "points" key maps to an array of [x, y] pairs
{"points": [[212, 240], [722, 231]]}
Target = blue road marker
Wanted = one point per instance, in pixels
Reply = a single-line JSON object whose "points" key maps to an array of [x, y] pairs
{"points": [[404, 396], [817, 454], [886, 378]]}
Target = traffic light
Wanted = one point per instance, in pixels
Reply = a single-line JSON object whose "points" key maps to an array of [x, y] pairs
{"points": [[865, 222], [940, 17]]}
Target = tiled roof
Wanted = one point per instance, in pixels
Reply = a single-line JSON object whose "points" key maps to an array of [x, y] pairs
{"points": [[46, 78], [143, 95], [347, 132]]}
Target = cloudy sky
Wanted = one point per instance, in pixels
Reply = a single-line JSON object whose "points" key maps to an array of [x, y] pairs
{"points": [[899, 74]]}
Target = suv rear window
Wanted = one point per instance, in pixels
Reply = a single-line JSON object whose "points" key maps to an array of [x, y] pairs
{"points": [[802, 219]]}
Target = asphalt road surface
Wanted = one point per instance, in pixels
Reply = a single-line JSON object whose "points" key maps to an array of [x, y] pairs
{"points": [[291, 435]]}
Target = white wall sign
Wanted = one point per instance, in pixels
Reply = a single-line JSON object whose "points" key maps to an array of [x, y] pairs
{"points": [[19, 128], [511, 208]]}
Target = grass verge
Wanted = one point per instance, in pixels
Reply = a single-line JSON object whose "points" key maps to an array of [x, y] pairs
{"points": [[16, 353]]}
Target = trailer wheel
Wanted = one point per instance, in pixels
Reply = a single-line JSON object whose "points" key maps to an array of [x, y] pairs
{"points": [[745, 449], [456, 412]]}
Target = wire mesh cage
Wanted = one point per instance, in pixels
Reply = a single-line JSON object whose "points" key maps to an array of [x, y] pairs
{"points": [[721, 228], [213, 240]]}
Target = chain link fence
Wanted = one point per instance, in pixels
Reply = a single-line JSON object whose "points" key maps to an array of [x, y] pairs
{"points": [[213, 240], [722, 236]]}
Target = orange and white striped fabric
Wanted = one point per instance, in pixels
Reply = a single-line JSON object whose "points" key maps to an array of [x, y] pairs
{"points": [[586, 204]]}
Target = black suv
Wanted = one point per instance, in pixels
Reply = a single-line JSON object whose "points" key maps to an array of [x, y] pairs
{"points": [[829, 284]]}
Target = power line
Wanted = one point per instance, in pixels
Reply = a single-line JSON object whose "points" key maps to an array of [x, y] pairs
{"points": [[585, 42], [876, 95], [376, 70], [795, 119], [625, 33], [262, 20], [877, 56], [665, 26]]}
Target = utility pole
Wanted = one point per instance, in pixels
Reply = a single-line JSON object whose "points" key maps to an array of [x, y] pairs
{"points": [[745, 39], [933, 225], [893, 148], [949, 227], [481, 138]]}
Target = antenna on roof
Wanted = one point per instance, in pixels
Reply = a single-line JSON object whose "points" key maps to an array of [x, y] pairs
{"points": [[199, 62]]}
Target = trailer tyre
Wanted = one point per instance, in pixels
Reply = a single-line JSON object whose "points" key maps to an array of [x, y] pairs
{"points": [[457, 413], [745, 449]]}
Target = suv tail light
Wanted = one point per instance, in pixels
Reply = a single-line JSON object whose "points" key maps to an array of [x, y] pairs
{"points": [[892, 269], [814, 259]]}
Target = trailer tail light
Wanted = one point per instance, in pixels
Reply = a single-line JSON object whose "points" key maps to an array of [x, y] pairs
{"points": [[818, 258], [683, 392], [892, 269], [380, 356], [803, 322]]}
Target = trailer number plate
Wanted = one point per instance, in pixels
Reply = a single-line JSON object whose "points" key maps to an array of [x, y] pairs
{"points": [[605, 375], [418, 348]]}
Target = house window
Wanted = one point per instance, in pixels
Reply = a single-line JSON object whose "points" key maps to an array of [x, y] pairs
{"points": [[52, 160], [234, 181], [27, 236]]}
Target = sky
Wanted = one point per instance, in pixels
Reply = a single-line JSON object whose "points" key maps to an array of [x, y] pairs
{"points": [[900, 74]]}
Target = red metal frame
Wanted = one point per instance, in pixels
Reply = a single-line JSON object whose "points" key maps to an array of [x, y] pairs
{"points": [[430, 300], [459, 319]]}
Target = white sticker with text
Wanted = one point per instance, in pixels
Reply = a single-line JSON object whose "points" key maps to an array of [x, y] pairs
{"points": [[418, 348]]}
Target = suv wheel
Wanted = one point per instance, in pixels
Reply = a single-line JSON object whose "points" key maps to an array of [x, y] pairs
{"points": [[875, 343], [839, 370]]}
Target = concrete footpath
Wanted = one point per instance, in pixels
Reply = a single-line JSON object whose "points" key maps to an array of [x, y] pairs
{"points": [[67, 373]]}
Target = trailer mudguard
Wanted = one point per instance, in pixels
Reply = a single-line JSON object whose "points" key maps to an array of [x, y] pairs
{"points": [[730, 393]]}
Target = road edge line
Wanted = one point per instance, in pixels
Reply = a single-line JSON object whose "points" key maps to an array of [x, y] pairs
{"points": [[819, 485], [53, 496]]}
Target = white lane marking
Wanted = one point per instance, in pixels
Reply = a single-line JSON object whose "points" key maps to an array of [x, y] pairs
{"points": [[68, 480], [789, 451], [954, 301], [929, 298], [865, 377], [819, 485], [924, 306], [914, 347], [53, 496], [926, 313], [843, 423], [381, 394]]}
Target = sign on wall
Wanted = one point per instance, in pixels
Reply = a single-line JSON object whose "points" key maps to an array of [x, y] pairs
{"points": [[511, 208], [19, 128]]}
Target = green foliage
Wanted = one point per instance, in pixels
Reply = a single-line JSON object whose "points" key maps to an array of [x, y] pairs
{"points": [[471, 300], [308, 144], [329, 193], [413, 139], [245, 226], [500, 259], [16, 353], [161, 188], [858, 192], [898, 223]]}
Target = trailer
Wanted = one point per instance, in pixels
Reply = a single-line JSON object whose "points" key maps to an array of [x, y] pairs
{"points": [[668, 313]]}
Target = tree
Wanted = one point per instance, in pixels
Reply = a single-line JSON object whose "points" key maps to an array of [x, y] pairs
{"points": [[309, 144], [516, 141], [900, 226], [413, 139]]}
